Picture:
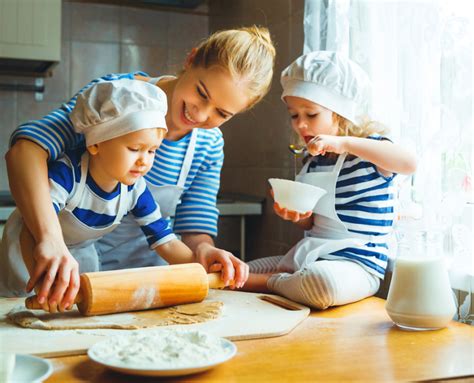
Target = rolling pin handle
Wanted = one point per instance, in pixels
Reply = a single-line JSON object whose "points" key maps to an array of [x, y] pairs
{"points": [[33, 304], [215, 281]]}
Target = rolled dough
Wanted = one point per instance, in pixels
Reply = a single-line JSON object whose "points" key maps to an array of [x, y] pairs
{"points": [[73, 320]]}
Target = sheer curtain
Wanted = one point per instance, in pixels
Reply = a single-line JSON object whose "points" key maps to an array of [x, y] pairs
{"points": [[419, 56]]}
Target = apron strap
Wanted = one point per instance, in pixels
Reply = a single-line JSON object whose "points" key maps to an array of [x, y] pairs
{"points": [[77, 194], [336, 169], [339, 163], [188, 159], [304, 169], [153, 80], [123, 208]]}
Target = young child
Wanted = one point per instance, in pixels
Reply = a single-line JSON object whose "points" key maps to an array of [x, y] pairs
{"points": [[124, 123], [344, 253]]}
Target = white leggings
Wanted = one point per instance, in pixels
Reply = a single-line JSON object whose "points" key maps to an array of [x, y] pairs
{"points": [[321, 284]]}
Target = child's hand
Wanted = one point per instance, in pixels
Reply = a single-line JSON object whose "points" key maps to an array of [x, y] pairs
{"points": [[290, 215], [323, 143]]}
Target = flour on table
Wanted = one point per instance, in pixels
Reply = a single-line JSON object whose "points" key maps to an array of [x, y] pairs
{"points": [[170, 348], [73, 320]]}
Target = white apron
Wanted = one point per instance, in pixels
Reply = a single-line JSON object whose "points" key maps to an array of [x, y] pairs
{"points": [[127, 247], [328, 233], [78, 237]]}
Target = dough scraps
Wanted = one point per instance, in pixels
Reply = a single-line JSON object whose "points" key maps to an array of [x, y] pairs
{"points": [[74, 320]]}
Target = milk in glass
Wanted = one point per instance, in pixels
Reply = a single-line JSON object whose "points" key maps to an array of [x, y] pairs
{"points": [[420, 296]]}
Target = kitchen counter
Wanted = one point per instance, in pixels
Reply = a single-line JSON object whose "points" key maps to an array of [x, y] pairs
{"points": [[348, 343]]}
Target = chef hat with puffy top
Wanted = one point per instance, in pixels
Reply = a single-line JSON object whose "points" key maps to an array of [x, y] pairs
{"points": [[329, 79], [112, 109]]}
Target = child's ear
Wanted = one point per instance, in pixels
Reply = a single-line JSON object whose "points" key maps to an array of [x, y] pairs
{"points": [[93, 149]]}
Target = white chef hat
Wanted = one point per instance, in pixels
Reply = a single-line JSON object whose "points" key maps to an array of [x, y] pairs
{"points": [[112, 109], [329, 79]]}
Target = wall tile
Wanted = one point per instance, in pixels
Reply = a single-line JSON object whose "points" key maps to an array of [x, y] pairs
{"points": [[187, 28], [177, 54], [143, 26], [95, 22], [8, 107], [66, 21], [58, 86], [266, 12], [91, 60], [296, 35], [281, 35], [30, 109], [296, 6], [149, 59]]}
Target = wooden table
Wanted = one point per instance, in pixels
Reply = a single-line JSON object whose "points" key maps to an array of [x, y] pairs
{"points": [[353, 342]]}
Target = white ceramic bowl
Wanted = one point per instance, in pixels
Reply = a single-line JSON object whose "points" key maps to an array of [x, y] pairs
{"points": [[296, 196]]}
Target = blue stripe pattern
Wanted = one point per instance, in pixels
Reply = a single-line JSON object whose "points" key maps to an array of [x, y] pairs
{"points": [[365, 203], [197, 211]]}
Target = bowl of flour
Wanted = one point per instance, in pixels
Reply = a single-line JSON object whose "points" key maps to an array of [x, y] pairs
{"points": [[164, 352]]}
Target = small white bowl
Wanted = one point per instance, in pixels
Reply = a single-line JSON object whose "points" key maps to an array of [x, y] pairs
{"points": [[296, 196]]}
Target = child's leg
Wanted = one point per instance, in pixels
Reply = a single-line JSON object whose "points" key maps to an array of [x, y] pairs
{"points": [[265, 265], [326, 283]]}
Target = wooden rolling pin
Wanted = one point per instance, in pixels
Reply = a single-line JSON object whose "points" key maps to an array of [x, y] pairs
{"points": [[144, 288]]}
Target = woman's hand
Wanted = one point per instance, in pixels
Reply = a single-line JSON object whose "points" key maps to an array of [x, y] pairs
{"points": [[323, 143], [55, 276], [214, 259]]}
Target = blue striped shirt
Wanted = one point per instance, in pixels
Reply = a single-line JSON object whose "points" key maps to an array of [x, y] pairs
{"points": [[197, 211], [365, 203], [98, 209]]}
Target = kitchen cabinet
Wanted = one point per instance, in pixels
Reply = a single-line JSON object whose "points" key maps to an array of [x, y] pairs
{"points": [[30, 36]]}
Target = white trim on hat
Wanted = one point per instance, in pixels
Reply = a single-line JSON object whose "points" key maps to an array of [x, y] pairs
{"points": [[119, 126], [322, 96]]}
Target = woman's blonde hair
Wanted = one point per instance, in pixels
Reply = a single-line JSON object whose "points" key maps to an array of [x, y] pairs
{"points": [[366, 128], [246, 53]]}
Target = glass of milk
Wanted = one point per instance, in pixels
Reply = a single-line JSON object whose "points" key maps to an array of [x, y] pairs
{"points": [[420, 296]]}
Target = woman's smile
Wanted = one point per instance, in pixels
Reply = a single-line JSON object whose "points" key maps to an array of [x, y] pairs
{"points": [[186, 116]]}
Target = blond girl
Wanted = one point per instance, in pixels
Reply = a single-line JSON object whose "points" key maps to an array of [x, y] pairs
{"points": [[344, 253]]}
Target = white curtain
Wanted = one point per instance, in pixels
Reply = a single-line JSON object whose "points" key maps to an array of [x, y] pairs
{"points": [[419, 56]]}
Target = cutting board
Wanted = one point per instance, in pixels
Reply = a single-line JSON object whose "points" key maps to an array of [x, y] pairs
{"points": [[244, 316]]}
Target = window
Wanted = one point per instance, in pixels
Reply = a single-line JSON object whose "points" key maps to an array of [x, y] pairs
{"points": [[419, 56]]}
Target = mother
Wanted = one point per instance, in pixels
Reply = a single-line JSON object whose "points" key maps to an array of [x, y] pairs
{"points": [[225, 75]]}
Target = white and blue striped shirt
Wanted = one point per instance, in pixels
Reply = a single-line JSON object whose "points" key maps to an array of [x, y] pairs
{"points": [[98, 209], [365, 203], [197, 211]]}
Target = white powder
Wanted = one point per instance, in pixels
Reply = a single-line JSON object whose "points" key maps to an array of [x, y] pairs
{"points": [[163, 349]]}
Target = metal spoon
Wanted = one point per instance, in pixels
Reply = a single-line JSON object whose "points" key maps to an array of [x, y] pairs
{"points": [[297, 149]]}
